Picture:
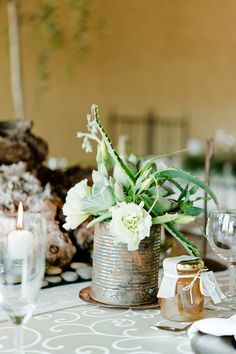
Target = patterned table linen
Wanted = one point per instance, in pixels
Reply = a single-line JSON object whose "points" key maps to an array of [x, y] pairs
{"points": [[67, 325]]}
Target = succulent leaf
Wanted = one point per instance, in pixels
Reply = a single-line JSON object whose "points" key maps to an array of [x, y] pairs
{"points": [[110, 148], [164, 218], [99, 219], [173, 173], [187, 244]]}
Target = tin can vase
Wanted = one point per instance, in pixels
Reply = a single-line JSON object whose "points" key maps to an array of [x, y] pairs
{"points": [[122, 277]]}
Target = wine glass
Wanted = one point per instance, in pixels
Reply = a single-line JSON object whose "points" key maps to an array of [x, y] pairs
{"points": [[22, 264], [221, 234]]}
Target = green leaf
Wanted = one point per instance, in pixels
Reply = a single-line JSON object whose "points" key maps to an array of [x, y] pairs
{"points": [[153, 191], [168, 190], [174, 204], [99, 181], [163, 204], [175, 183], [187, 244], [99, 219], [131, 166], [108, 197], [148, 201], [103, 170], [183, 219], [200, 198], [111, 182], [193, 190], [195, 211], [173, 173], [164, 218], [110, 148], [142, 177], [131, 195], [119, 192], [120, 176], [145, 185], [93, 205], [106, 158], [145, 165], [184, 193], [99, 202]]}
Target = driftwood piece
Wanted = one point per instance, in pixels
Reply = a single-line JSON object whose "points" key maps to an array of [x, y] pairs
{"points": [[15, 128], [17, 143], [62, 181]]}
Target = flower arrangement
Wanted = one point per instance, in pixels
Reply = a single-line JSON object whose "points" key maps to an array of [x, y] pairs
{"points": [[132, 194]]}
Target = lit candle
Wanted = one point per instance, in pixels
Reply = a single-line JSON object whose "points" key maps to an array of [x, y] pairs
{"points": [[19, 240]]}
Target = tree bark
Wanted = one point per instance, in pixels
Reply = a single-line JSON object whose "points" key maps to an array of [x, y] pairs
{"points": [[15, 60]]}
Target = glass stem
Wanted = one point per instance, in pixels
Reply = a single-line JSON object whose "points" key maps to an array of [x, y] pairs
{"points": [[232, 280], [18, 339]]}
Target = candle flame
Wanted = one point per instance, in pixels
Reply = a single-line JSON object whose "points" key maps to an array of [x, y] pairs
{"points": [[19, 223]]}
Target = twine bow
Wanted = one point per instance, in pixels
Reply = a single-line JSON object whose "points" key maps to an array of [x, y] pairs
{"points": [[191, 285]]}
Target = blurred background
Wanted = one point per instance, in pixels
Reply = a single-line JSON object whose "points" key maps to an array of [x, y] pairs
{"points": [[162, 72]]}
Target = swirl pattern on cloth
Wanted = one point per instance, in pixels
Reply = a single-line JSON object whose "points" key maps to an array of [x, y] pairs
{"points": [[70, 326]]}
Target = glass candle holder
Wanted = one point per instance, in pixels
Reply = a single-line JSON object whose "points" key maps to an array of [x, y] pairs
{"points": [[22, 264]]}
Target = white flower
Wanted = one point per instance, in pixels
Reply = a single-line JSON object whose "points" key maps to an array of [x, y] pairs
{"points": [[130, 224], [72, 207]]}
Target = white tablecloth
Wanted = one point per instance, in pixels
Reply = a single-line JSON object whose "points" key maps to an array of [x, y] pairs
{"points": [[90, 329]]}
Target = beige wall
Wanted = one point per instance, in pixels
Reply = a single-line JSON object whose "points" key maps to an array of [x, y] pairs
{"points": [[172, 56]]}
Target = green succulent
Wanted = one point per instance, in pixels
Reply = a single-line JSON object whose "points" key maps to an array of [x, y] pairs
{"points": [[133, 181]]}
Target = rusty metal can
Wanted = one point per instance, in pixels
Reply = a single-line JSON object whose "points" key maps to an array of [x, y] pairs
{"points": [[122, 277]]}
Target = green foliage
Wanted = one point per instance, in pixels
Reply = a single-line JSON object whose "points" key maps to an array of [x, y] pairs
{"points": [[186, 176], [102, 198], [117, 160], [187, 244], [58, 25], [54, 35], [168, 200]]}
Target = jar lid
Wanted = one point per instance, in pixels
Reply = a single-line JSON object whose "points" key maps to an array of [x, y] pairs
{"points": [[194, 264]]}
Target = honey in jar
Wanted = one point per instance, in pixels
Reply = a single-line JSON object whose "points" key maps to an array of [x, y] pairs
{"points": [[188, 302]]}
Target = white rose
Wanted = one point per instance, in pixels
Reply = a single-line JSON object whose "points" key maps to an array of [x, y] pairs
{"points": [[72, 207], [130, 224]]}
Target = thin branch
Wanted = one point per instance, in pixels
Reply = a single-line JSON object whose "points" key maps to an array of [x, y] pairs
{"points": [[15, 59]]}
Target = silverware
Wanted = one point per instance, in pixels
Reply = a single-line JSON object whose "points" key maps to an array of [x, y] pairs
{"points": [[172, 328]]}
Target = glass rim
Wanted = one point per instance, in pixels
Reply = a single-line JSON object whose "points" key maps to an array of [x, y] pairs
{"points": [[223, 211]]}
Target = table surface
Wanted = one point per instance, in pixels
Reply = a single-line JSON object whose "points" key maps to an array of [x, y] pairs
{"points": [[91, 329]]}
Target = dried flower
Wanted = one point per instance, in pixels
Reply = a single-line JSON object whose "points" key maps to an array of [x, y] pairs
{"points": [[91, 126]]}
